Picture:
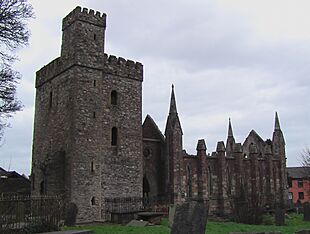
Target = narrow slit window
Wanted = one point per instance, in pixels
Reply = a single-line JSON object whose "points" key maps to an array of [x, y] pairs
{"points": [[92, 166], [95, 83], [95, 37], [93, 201], [94, 115], [114, 136], [51, 100], [114, 97]]}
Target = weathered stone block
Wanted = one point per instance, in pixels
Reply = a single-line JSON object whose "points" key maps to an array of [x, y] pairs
{"points": [[279, 216], [71, 213], [190, 217], [303, 232], [307, 211]]}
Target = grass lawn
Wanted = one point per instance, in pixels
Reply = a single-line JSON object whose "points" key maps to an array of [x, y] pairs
{"points": [[293, 223]]}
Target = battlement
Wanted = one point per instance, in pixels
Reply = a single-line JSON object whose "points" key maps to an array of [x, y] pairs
{"points": [[122, 67], [51, 70], [112, 65], [86, 15]]}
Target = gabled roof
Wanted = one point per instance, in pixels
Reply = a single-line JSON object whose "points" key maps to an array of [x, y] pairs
{"points": [[151, 130], [298, 172], [13, 183], [255, 136]]}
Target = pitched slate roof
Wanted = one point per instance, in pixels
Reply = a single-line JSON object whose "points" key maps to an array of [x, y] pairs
{"points": [[298, 172], [151, 130]]}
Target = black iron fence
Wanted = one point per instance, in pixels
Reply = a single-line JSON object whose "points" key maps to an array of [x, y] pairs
{"points": [[27, 214]]}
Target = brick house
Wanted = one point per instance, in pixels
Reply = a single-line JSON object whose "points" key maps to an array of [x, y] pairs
{"points": [[299, 184]]}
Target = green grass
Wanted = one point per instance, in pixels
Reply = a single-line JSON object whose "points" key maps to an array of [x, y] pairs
{"points": [[292, 224]]}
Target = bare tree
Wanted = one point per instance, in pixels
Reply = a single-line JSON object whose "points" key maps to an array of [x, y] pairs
{"points": [[305, 162], [305, 157], [13, 34]]}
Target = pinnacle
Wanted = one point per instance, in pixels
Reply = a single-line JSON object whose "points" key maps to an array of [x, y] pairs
{"points": [[173, 105], [230, 131], [277, 123]]}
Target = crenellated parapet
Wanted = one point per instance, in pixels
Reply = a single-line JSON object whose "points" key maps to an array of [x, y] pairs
{"points": [[51, 70], [86, 15], [122, 67]]}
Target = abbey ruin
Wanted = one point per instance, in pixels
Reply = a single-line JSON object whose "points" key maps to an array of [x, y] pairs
{"points": [[90, 145]]}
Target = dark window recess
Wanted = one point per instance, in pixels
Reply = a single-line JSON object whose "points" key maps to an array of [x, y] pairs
{"points": [[301, 196], [92, 166], [95, 83], [289, 181], [300, 183], [42, 188], [114, 136], [93, 201], [210, 186], [146, 152], [95, 37], [114, 97], [189, 181], [94, 114], [51, 100]]}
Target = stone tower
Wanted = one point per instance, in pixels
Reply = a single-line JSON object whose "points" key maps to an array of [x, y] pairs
{"points": [[174, 147], [87, 141]]}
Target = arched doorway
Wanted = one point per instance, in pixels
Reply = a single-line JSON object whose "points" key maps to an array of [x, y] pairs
{"points": [[146, 187]]}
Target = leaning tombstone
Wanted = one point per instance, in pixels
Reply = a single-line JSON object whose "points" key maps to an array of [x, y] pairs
{"points": [[303, 232], [171, 214], [190, 217], [71, 212], [306, 207], [279, 215]]}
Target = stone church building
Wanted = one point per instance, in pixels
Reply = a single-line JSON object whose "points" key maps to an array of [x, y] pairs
{"points": [[89, 142]]}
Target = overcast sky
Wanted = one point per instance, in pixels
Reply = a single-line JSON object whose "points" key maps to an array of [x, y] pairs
{"points": [[239, 59]]}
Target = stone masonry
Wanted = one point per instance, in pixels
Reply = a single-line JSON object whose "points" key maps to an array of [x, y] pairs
{"points": [[81, 147], [90, 145]]}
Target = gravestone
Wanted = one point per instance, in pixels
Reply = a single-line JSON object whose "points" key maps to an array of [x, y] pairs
{"points": [[171, 214], [190, 218], [303, 232], [307, 211], [137, 223], [279, 216], [255, 233], [71, 213]]}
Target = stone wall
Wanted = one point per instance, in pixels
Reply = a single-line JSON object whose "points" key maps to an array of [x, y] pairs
{"points": [[84, 99]]}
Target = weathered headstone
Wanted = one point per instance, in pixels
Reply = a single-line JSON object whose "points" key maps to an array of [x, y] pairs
{"points": [[190, 218], [307, 211], [171, 214], [255, 233], [137, 223], [303, 232], [279, 216], [71, 213]]}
